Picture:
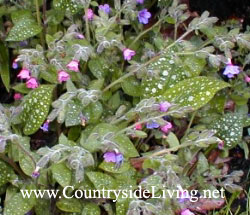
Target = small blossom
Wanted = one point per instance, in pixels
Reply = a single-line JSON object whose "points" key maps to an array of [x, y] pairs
{"points": [[187, 212], [166, 128], [164, 106], [32, 83], [105, 8], [140, 1], [23, 43], [114, 157], [79, 36], [144, 16], [73, 65], [221, 145], [17, 96], [247, 79], [138, 126], [90, 14], [152, 125], [231, 70], [184, 195], [45, 126], [24, 74], [15, 64], [128, 54], [63, 76], [36, 173]]}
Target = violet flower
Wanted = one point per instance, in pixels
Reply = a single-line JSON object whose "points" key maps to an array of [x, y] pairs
{"points": [[114, 157], [45, 126], [187, 212], [63, 76], [164, 106], [140, 1], [167, 127], [128, 54], [24, 74], [105, 8], [231, 70], [73, 65], [152, 125], [143, 16]]}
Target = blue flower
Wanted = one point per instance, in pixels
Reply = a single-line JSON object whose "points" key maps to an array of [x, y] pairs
{"points": [[152, 125], [144, 16], [231, 70], [105, 8], [45, 126]]}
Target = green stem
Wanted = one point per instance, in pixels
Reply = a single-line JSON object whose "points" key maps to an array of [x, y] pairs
{"points": [[87, 24], [190, 124], [165, 151], [119, 80], [175, 31], [144, 32], [39, 22]]}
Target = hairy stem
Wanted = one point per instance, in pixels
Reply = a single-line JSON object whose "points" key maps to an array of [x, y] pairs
{"points": [[39, 22], [119, 80], [87, 24]]}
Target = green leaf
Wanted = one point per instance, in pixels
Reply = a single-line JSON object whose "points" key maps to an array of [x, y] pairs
{"points": [[69, 5], [101, 180], [62, 174], [91, 209], [36, 107], [132, 86], [99, 67], [229, 128], [4, 65], [127, 147], [69, 205], [21, 88], [19, 15], [170, 71], [93, 112], [6, 173], [194, 92], [122, 206], [17, 205], [74, 108], [110, 167], [172, 140], [23, 30], [42, 207]]}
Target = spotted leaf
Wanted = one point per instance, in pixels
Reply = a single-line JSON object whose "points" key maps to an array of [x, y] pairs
{"points": [[69, 205], [73, 113], [229, 128], [69, 5], [91, 209], [23, 30], [194, 92], [35, 108], [168, 71], [6, 173], [101, 180], [62, 174], [18, 205], [111, 167], [93, 112]]}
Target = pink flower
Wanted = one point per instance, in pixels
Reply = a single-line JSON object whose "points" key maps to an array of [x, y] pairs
{"points": [[17, 96], [247, 79], [90, 14], [24, 74], [128, 54], [138, 127], [166, 128], [164, 106], [187, 212], [32, 83], [221, 145], [63, 76], [79, 36], [73, 65]]}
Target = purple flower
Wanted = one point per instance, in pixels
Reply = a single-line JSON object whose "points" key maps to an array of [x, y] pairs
{"points": [[105, 8], [140, 1], [45, 126], [166, 128], [231, 70], [152, 125], [114, 157], [164, 106], [79, 36], [144, 16], [184, 195], [36, 173], [15, 64], [128, 54], [187, 212], [221, 145]]}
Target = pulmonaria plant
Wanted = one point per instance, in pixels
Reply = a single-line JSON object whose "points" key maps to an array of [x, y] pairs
{"points": [[120, 95]]}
